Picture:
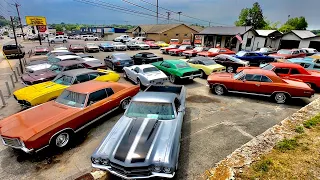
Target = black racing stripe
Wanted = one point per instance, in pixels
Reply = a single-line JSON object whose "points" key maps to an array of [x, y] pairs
{"points": [[146, 140], [128, 139]]}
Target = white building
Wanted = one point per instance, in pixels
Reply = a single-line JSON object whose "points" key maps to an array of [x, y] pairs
{"points": [[300, 39]]}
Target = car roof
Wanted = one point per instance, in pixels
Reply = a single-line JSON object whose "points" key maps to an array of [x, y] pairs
{"points": [[92, 86], [285, 65], [68, 63], [145, 53], [59, 50], [259, 71], [63, 57], [161, 97], [75, 72], [174, 61]]}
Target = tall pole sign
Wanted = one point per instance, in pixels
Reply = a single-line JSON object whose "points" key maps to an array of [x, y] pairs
{"points": [[39, 21]]}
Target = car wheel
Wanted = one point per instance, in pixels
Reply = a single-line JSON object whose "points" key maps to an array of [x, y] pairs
{"points": [[124, 104], [125, 76], [52, 42], [262, 62], [203, 74], [112, 67], [219, 90], [230, 69], [64, 41], [180, 53], [62, 139], [280, 97], [85, 39], [172, 78]]}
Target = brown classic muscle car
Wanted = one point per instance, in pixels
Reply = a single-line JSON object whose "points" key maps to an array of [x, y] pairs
{"points": [[56, 122]]}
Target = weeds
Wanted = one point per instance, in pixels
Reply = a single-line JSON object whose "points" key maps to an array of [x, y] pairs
{"points": [[286, 144], [312, 122], [299, 129], [263, 166]]}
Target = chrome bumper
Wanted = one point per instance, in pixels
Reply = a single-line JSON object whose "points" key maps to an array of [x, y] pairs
{"points": [[108, 168], [190, 77], [22, 147]]}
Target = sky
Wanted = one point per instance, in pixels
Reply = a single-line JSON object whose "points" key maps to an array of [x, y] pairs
{"points": [[219, 12]]}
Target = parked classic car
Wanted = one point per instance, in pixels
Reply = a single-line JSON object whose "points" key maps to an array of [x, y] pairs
{"points": [[144, 75], [43, 92], [118, 46], [146, 58], [152, 45], [59, 47], [230, 62], [118, 61], [91, 47], [216, 51], [58, 51], [77, 107], [310, 51], [142, 45], [308, 63], [266, 50], [294, 71], [254, 58], [177, 70], [106, 47], [40, 76], [259, 82], [205, 65], [179, 50], [76, 48], [186, 42], [122, 38], [93, 63], [151, 128], [165, 50], [162, 44], [194, 51], [288, 54], [41, 50], [174, 41], [131, 45]]}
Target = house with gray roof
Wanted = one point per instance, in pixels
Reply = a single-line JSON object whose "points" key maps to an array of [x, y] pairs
{"points": [[300, 39]]}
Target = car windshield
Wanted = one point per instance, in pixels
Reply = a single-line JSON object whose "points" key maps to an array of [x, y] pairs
{"points": [[117, 43], [150, 69], [182, 65], [182, 47], [72, 99], [214, 50], [172, 46], [241, 53], [121, 56], [151, 55], [105, 44], [55, 68], [208, 62], [238, 75], [153, 110], [63, 80], [267, 67], [283, 51], [198, 49]]}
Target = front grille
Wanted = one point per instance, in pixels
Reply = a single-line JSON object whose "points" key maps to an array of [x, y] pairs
{"points": [[13, 142], [187, 74], [131, 171]]}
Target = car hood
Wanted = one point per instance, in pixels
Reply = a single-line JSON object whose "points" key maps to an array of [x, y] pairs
{"points": [[37, 67], [38, 75], [31, 92], [220, 76], [27, 123], [92, 47], [140, 141], [155, 75], [77, 47], [92, 62], [122, 45], [190, 51], [205, 53]]}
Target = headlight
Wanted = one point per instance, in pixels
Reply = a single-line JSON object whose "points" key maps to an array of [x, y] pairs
{"points": [[95, 160], [167, 170], [156, 168]]}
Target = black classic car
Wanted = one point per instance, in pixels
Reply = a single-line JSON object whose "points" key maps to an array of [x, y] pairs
{"points": [[146, 58]]}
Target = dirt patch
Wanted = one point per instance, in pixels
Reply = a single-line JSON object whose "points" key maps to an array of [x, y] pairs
{"points": [[202, 99]]}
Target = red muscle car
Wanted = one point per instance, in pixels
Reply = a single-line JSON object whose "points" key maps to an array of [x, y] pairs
{"points": [[288, 54], [291, 70], [41, 50], [186, 42], [152, 45], [179, 51], [216, 51], [259, 82], [76, 48], [56, 122], [165, 50], [195, 51]]}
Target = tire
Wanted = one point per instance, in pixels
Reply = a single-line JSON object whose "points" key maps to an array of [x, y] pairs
{"points": [[62, 139], [124, 104], [64, 41], [180, 53], [113, 68], [203, 74], [280, 97], [219, 90], [85, 39], [230, 69], [95, 39], [172, 79], [52, 42], [125, 76]]}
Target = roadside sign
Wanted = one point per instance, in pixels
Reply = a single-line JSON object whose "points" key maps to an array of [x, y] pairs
{"points": [[42, 28], [36, 20]]}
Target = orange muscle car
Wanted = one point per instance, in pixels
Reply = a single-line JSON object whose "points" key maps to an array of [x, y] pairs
{"points": [[55, 122], [259, 82]]}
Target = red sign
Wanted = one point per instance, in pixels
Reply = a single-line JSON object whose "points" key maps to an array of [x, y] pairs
{"points": [[198, 39], [42, 28]]}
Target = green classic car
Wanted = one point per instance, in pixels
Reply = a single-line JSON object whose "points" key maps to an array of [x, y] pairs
{"points": [[177, 69]]}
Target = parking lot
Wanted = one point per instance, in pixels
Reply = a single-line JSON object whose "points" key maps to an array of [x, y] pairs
{"points": [[213, 127]]}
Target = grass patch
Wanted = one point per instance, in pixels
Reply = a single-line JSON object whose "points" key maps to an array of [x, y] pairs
{"points": [[312, 122], [299, 129], [263, 166], [286, 144]]}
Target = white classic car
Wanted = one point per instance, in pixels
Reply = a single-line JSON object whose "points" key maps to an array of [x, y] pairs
{"points": [[145, 75], [91, 47], [119, 46], [143, 45]]}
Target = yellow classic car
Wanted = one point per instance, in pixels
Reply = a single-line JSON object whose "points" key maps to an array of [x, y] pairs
{"points": [[162, 44], [43, 92], [205, 65]]}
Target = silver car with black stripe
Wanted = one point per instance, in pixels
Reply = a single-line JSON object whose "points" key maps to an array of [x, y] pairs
{"points": [[145, 142]]}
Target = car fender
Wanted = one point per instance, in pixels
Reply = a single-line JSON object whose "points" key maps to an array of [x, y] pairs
{"points": [[144, 80]]}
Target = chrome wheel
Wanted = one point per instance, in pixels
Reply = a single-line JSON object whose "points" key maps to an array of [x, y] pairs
{"points": [[125, 75], [280, 98], [62, 139], [125, 103], [202, 74], [172, 78], [230, 69], [219, 90], [180, 53]]}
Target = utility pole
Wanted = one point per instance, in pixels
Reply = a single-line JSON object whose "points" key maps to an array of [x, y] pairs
{"points": [[168, 16], [15, 39], [157, 11], [179, 14], [17, 5]]}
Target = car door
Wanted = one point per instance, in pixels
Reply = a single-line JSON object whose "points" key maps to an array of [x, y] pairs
{"points": [[250, 83], [221, 60], [266, 85], [137, 58], [134, 73], [164, 66]]}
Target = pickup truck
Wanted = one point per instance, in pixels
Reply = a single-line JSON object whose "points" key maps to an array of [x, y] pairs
{"points": [[148, 134]]}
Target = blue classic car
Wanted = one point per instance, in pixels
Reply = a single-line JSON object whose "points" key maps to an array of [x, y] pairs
{"points": [[106, 47], [307, 62], [254, 58]]}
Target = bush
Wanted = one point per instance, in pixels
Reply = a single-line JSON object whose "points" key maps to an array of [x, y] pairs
{"points": [[299, 129], [312, 122], [263, 166], [286, 144]]}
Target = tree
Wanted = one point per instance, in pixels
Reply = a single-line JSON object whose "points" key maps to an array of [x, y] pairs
{"points": [[298, 23], [252, 17], [271, 25], [286, 28]]}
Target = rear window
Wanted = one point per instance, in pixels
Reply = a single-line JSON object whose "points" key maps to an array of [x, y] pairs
{"points": [[9, 47]]}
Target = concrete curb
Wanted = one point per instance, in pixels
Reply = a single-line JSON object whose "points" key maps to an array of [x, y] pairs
{"points": [[262, 144], [94, 175]]}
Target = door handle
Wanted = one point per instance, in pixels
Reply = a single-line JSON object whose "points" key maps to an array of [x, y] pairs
{"points": [[258, 85]]}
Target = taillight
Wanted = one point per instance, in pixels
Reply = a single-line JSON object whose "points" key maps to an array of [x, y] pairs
{"points": [[117, 63]]}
